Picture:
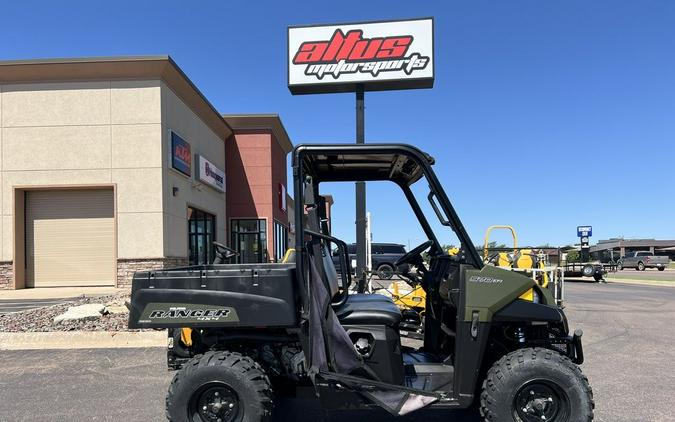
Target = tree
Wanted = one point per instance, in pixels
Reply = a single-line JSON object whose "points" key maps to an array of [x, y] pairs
{"points": [[573, 255]]}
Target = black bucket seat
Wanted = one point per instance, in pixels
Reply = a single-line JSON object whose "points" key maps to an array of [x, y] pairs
{"points": [[359, 308]]}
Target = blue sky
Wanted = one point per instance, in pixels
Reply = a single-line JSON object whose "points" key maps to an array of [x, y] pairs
{"points": [[544, 115]]}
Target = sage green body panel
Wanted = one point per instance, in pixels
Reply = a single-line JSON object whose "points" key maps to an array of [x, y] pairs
{"points": [[490, 289]]}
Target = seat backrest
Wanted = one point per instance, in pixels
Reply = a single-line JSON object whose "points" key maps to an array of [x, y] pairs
{"points": [[331, 272]]}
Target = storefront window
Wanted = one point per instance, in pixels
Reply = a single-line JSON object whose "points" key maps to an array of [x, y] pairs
{"points": [[280, 240], [249, 239], [201, 235]]}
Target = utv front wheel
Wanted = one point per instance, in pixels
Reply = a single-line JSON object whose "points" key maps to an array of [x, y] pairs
{"points": [[538, 384], [219, 387]]}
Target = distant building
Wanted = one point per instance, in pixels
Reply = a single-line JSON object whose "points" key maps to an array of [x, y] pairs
{"points": [[604, 249]]}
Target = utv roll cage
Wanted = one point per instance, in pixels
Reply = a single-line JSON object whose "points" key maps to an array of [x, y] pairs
{"points": [[399, 163]]}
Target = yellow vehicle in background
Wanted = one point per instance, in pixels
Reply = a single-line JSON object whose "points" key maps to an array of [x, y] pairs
{"points": [[526, 260], [411, 299]]}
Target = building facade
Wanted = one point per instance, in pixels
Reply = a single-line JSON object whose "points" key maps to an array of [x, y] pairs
{"points": [[108, 166], [614, 249], [257, 199]]}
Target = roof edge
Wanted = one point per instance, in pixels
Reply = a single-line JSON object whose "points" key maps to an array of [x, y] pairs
{"points": [[243, 123], [161, 67]]}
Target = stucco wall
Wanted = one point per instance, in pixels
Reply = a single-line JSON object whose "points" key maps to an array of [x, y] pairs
{"points": [[73, 133], [177, 117]]}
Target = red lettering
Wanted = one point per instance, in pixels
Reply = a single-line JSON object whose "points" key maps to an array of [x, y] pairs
{"points": [[350, 41], [394, 47], [310, 52], [183, 153], [335, 43], [352, 46], [366, 49]]}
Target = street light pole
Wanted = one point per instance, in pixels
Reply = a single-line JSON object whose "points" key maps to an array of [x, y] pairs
{"points": [[360, 197]]}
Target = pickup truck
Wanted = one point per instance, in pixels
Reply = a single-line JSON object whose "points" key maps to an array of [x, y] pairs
{"points": [[641, 260], [384, 255]]}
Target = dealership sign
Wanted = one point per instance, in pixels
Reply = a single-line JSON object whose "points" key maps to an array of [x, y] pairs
{"points": [[181, 157], [210, 174], [584, 231], [374, 55]]}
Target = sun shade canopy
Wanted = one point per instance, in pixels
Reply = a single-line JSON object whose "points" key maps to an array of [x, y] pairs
{"points": [[399, 163]]}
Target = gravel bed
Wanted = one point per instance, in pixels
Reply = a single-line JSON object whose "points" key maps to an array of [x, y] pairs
{"points": [[42, 319]]}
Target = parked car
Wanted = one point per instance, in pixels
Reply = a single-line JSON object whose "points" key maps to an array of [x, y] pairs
{"points": [[641, 260], [384, 255]]}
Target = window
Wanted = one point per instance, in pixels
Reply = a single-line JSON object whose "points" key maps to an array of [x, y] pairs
{"points": [[280, 241], [395, 249], [249, 239], [201, 235]]}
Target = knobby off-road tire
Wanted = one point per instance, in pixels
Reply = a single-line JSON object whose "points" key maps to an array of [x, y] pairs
{"points": [[518, 387], [225, 385]]}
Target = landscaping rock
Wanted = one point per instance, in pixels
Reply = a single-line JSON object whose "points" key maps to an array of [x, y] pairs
{"points": [[116, 309], [42, 319], [81, 313]]}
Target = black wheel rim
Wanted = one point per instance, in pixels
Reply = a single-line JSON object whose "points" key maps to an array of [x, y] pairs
{"points": [[386, 271], [541, 401], [214, 402]]}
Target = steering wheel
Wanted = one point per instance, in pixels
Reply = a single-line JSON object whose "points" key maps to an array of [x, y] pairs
{"points": [[223, 251], [413, 256]]}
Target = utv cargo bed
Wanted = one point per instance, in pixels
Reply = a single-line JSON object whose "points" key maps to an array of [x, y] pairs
{"points": [[231, 295]]}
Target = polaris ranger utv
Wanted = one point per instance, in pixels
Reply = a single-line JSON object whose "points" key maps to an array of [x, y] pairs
{"points": [[491, 336]]}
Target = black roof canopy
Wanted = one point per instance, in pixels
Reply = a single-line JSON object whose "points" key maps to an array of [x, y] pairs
{"points": [[399, 163]]}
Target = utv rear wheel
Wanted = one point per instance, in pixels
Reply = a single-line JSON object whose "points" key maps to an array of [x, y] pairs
{"points": [[385, 271], [537, 384], [219, 387]]}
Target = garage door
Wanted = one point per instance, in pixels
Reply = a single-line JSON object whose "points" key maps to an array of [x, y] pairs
{"points": [[70, 238]]}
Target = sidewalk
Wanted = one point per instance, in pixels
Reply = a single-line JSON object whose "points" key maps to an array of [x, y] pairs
{"points": [[56, 292], [82, 340], [641, 282]]}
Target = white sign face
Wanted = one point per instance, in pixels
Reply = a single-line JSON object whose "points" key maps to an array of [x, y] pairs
{"points": [[211, 175], [376, 55]]}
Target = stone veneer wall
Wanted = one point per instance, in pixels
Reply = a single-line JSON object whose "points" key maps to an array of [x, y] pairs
{"points": [[6, 275], [127, 267]]}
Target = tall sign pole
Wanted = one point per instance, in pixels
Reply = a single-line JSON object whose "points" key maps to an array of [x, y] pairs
{"points": [[359, 57], [361, 263], [584, 233]]}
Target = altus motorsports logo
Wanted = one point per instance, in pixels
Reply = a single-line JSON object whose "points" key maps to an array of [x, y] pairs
{"points": [[351, 53]]}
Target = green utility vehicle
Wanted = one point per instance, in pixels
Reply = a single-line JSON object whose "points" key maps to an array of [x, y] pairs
{"points": [[247, 333]]}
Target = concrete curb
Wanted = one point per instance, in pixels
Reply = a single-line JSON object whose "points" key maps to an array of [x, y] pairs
{"points": [[659, 283], [82, 340]]}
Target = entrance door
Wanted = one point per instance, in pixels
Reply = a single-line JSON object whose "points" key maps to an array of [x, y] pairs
{"points": [[201, 235], [70, 238], [249, 239]]}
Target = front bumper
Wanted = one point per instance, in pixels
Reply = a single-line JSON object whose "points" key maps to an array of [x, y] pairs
{"points": [[575, 350]]}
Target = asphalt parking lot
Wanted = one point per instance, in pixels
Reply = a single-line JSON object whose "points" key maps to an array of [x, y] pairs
{"points": [[629, 331]]}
